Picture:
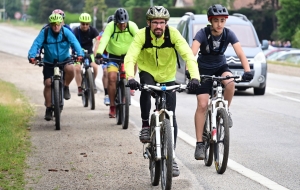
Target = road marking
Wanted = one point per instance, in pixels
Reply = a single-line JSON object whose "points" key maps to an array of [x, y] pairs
{"points": [[276, 91], [238, 167]]}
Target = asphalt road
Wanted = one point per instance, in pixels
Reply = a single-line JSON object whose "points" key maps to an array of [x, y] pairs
{"points": [[264, 140]]}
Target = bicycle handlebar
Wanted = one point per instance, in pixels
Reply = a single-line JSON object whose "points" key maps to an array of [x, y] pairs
{"points": [[42, 63], [116, 60], [178, 87], [237, 78]]}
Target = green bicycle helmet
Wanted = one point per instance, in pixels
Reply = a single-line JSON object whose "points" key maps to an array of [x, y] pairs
{"points": [[53, 18], [85, 17], [157, 12]]}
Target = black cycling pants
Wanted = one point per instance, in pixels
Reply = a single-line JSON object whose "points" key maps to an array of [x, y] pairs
{"points": [[145, 99]]}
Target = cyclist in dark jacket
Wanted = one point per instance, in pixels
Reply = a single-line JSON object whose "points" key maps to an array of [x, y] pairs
{"points": [[56, 45]]}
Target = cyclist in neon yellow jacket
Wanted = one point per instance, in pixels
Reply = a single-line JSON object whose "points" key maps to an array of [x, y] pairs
{"points": [[116, 39], [155, 49]]}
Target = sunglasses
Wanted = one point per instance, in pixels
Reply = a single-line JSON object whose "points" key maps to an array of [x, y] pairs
{"points": [[86, 24], [55, 23]]}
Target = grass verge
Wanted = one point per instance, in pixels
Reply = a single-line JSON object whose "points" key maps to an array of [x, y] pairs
{"points": [[15, 112], [24, 24]]}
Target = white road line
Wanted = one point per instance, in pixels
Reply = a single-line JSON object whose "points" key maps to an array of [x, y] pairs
{"points": [[276, 92], [238, 167]]}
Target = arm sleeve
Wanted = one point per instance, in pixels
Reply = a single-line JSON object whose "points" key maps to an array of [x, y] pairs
{"points": [[37, 44], [133, 53], [232, 37], [133, 28], [186, 53], [105, 37]]}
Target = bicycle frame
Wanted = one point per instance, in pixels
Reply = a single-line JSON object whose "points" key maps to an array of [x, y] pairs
{"points": [[160, 114]]}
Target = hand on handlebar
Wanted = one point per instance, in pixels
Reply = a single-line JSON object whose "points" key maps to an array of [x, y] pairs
{"points": [[133, 84], [247, 76], [98, 56], [32, 61], [193, 84], [79, 59]]}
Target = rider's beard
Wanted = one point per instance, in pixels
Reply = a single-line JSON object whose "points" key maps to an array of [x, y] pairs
{"points": [[158, 33]]}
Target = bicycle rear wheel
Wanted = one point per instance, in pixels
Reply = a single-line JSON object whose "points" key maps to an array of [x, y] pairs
{"points": [[209, 146], [90, 87], [125, 97], [221, 149], [57, 94], [154, 165], [84, 86], [166, 155]]}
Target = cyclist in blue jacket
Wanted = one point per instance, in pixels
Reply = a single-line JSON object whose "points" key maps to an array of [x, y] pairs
{"points": [[56, 41]]}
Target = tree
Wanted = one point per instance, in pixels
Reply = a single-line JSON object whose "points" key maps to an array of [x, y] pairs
{"points": [[11, 7], [101, 7], [146, 3], [113, 3], [288, 18], [76, 6], [203, 5]]}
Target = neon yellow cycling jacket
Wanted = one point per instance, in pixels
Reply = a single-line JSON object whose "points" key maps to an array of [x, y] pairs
{"points": [[117, 44], [161, 63]]}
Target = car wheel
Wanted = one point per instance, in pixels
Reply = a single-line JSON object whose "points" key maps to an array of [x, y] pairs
{"points": [[259, 91]]}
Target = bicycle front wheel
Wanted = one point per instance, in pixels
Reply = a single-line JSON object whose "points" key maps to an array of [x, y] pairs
{"points": [[84, 86], [209, 146], [125, 97], [90, 82], [154, 165], [57, 94], [166, 155], [221, 149]]}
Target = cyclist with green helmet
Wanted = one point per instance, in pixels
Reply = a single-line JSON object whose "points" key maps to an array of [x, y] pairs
{"points": [[56, 41], [154, 48], [116, 39], [85, 34]]}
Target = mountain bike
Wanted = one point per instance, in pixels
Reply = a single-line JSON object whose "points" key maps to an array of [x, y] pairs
{"points": [[57, 87], [122, 97], [87, 83], [216, 129], [160, 150]]}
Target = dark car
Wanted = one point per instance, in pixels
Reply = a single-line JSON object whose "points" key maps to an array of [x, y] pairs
{"points": [[191, 23]]}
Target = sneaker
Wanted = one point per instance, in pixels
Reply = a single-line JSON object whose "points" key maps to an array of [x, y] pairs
{"points": [[199, 152], [48, 114], [112, 112], [230, 124], [79, 91], [176, 171], [106, 100], [67, 94], [145, 135], [132, 92]]}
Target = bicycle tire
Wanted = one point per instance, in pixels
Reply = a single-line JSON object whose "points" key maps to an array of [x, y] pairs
{"points": [[221, 159], [166, 155], [90, 82], [118, 99], [125, 104], [154, 165], [209, 146], [56, 98], [84, 97]]}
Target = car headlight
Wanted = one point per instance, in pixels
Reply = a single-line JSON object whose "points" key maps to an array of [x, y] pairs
{"points": [[260, 57]]}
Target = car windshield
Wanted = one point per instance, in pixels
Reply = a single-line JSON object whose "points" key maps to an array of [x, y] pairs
{"points": [[244, 34]]}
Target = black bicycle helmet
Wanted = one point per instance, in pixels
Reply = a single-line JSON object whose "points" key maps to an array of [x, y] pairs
{"points": [[121, 16], [217, 10], [110, 18]]}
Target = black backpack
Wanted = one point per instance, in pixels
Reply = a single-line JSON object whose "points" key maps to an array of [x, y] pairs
{"points": [[210, 42], [112, 36], [46, 32], [167, 42]]}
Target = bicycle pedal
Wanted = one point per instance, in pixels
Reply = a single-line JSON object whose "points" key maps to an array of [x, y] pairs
{"points": [[146, 156]]}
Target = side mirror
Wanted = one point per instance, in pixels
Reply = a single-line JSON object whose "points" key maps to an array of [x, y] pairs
{"points": [[265, 44]]}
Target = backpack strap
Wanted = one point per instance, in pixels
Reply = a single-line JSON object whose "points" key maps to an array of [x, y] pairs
{"points": [[46, 32], [210, 42], [127, 26], [167, 42]]}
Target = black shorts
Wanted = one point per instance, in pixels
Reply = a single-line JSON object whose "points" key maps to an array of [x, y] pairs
{"points": [[205, 87], [48, 70]]}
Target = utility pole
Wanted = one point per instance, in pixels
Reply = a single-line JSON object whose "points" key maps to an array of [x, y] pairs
{"points": [[151, 3], [4, 14]]}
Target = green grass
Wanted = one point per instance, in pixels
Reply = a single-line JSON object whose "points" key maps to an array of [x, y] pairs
{"points": [[24, 24], [284, 63], [15, 113]]}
